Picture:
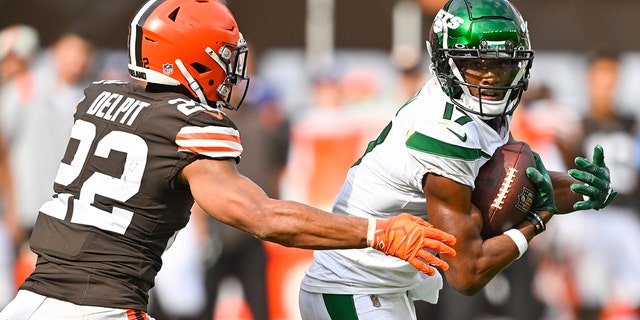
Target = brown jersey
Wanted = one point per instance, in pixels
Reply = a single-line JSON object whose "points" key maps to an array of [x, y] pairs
{"points": [[118, 198]]}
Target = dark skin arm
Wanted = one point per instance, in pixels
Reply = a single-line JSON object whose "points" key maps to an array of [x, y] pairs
{"points": [[565, 198], [226, 195], [231, 198], [477, 260]]}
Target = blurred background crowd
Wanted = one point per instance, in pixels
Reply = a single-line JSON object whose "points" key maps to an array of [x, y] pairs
{"points": [[326, 77]]}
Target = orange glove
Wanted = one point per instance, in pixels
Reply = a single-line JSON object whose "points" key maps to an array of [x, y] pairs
{"points": [[408, 237]]}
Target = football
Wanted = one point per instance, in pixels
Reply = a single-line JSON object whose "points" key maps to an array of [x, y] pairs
{"points": [[503, 192]]}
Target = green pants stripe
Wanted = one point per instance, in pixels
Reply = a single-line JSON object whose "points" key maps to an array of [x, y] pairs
{"points": [[340, 306]]}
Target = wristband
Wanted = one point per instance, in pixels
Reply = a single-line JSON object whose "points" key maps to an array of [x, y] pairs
{"points": [[519, 239], [371, 230], [538, 224]]}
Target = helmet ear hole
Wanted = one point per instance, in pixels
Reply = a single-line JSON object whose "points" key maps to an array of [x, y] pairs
{"points": [[200, 68], [174, 14]]}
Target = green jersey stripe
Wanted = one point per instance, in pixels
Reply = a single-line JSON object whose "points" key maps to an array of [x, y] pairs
{"points": [[421, 142]]}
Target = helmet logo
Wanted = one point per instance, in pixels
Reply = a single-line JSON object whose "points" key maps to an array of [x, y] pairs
{"points": [[496, 45], [446, 19], [167, 69]]}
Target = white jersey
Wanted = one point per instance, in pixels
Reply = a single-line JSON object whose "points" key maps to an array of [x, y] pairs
{"points": [[429, 134]]}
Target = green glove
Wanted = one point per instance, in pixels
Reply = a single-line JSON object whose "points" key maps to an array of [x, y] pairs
{"points": [[596, 190], [544, 199]]}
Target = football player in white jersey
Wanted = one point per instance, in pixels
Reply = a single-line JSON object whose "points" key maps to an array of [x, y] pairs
{"points": [[425, 162], [137, 159]]}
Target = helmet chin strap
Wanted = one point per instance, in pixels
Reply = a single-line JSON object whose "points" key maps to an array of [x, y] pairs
{"points": [[193, 84]]}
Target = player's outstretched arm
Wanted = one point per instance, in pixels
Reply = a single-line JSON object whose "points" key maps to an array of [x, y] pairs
{"points": [[233, 199]]}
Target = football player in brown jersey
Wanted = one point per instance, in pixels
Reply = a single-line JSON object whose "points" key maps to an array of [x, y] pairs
{"points": [[139, 156]]}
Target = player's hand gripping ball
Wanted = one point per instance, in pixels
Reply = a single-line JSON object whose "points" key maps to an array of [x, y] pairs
{"points": [[503, 192]]}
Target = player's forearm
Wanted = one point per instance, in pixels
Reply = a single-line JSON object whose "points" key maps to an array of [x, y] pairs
{"points": [[294, 224], [470, 271], [477, 261], [233, 199], [488, 259], [565, 198]]}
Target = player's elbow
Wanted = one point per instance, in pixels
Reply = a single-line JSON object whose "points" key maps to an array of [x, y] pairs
{"points": [[265, 231], [281, 237], [261, 227], [469, 290], [467, 285], [273, 230], [265, 225]]}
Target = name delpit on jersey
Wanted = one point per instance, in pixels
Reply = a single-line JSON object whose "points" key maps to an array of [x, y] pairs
{"points": [[110, 106]]}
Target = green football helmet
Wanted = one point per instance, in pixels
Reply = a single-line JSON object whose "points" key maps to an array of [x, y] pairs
{"points": [[481, 34]]}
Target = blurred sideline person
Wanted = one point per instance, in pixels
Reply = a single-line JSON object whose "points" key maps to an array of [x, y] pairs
{"points": [[10, 230], [179, 292], [19, 45], [407, 60], [36, 120], [322, 137], [36, 116], [546, 125], [601, 272], [137, 159], [425, 162], [344, 112]]}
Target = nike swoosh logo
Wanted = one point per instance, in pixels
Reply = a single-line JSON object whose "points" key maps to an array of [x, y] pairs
{"points": [[216, 114], [462, 138]]}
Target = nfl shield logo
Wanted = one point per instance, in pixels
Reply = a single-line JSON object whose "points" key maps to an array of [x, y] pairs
{"points": [[375, 301], [167, 69]]}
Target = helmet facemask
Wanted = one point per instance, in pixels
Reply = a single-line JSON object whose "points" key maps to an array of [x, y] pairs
{"points": [[469, 38], [510, 68], [232, 59]]}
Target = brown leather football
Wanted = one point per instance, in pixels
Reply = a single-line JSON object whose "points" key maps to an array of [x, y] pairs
{"points": [[503, 192]]}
